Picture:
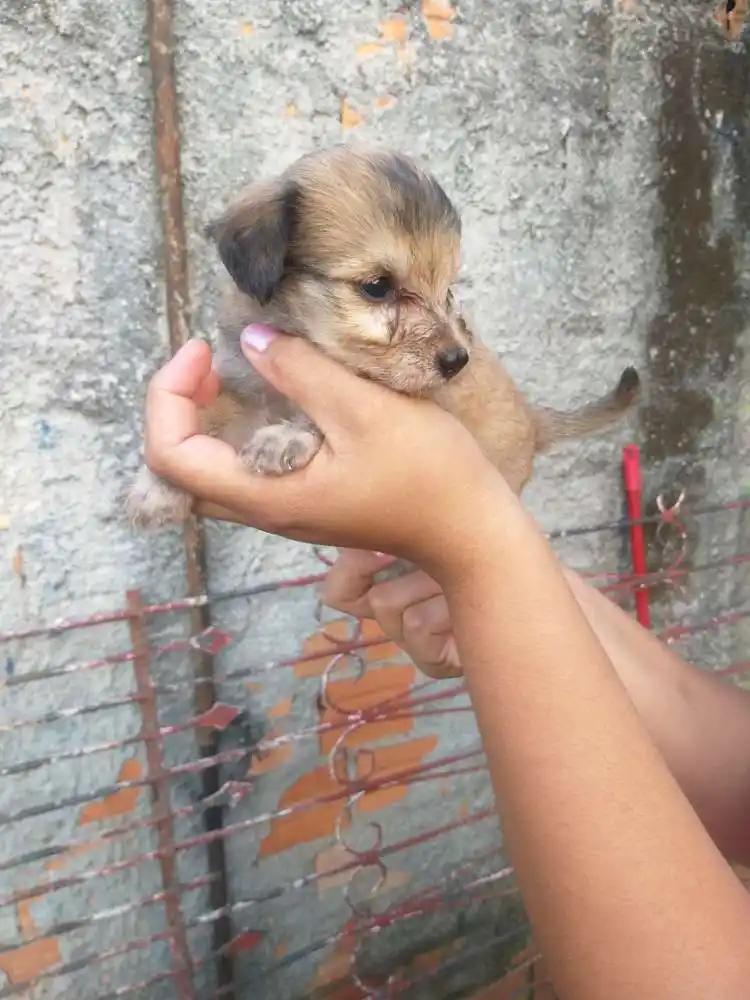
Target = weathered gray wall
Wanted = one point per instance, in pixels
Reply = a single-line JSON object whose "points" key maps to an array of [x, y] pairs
{"points": [[599, 155]]}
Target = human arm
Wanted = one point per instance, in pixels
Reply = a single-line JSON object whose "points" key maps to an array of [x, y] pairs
{"points": [[699, 722], [626, 890]]}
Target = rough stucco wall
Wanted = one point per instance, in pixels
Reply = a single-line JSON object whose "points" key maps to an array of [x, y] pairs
{"points": [[596, 156]]}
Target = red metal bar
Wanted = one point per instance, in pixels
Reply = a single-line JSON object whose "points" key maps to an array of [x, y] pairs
{"points": [[631, 467], [160, 806]]}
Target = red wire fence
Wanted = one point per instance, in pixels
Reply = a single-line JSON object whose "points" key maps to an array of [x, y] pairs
{"points": [[108, 887]]}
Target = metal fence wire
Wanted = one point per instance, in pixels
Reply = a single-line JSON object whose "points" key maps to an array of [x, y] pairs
{"points": [[110, 881]]}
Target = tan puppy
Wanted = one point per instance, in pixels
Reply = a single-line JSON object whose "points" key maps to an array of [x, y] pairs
{"points": [[357, 250]]}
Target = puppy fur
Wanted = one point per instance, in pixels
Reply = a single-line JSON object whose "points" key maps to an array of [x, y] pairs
{"points": [[357, 250]]}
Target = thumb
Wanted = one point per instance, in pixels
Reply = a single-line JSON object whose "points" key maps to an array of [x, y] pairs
{"points": [[329, 393]]}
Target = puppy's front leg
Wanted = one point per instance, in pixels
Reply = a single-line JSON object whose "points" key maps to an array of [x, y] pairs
{"points": [[277, 449]]}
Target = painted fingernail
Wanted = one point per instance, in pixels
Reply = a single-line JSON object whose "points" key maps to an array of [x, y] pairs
{"points": [[257, 337]]}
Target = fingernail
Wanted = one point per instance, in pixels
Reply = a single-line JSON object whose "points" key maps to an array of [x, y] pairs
{"points": [[257, 337], [380, 555]]}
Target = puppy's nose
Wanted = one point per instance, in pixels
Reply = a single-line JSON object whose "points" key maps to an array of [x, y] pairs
{"points": [[451, 362]]}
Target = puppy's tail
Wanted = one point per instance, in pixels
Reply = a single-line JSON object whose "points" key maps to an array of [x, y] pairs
{"points": [[553, 427]]}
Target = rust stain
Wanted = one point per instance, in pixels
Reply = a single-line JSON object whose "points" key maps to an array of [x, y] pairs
{"points": [[269, 760], [369, 49], [393, 30], [309, 824], [280, 709], [338, 630], [120, 803], [438, 15], [25, 964], [385, 763], [352, 695], [280, 950], [349, 117], [385, 102]]}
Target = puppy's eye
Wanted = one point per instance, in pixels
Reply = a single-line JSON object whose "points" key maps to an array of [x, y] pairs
{"points": [[378, 289]]}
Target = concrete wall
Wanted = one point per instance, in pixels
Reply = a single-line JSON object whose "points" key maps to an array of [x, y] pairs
{"points": [[599, 154]]}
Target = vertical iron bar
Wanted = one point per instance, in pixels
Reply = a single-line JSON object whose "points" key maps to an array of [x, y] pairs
{"points": [[167, 152], [160, 805]]}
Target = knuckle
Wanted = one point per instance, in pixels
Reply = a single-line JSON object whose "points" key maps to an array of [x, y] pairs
{"points": [[382, 602], [415, 619]]}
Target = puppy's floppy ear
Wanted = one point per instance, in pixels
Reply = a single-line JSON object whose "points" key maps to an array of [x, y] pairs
{"points": [[253, 235]]}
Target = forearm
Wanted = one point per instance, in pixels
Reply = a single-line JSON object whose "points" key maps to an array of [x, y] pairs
{"points": [[698, 722], [606, 847]]}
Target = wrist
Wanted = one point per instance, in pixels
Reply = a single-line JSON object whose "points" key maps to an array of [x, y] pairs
{"points": [[487, 522]]}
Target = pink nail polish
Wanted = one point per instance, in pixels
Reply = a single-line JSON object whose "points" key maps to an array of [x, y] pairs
{"points": [[257, 337]]}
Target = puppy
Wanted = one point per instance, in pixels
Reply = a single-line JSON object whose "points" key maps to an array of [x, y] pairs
{"points": [[357, 250]]}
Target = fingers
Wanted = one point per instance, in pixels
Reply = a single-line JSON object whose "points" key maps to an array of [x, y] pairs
{"points": [[347, 584], [428, 637], [217, 513], [176, 450], [329, 394], [390, 601]]}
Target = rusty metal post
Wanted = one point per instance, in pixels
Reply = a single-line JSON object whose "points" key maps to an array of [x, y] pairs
{"points": [[160, 804], [167, 152]]}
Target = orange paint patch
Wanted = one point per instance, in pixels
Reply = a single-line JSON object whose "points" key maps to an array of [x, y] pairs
{"points": [[393, 30], [56, 864], [438, 15], [385, 102], [331, 860], [349, 117], [369, 49], [269, 760], [310, 665], [246, 29], [387, 763], [26, 925], [25, 964], [376, 687], [280, 709], [335, 971], [308, 824], [384, 648], [119, 803]]}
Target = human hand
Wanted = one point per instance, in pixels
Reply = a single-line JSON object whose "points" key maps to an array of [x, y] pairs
{"points": [[386, 461], [411, 610]]}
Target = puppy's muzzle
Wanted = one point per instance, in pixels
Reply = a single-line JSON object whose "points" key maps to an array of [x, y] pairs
{"points": [[452, 361]]}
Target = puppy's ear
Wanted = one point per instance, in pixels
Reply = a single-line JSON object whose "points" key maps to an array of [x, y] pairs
{"points": [[253, 235]]}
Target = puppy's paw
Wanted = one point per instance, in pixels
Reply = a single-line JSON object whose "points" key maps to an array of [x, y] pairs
{"points": [[154, 503], [281, 448]]}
